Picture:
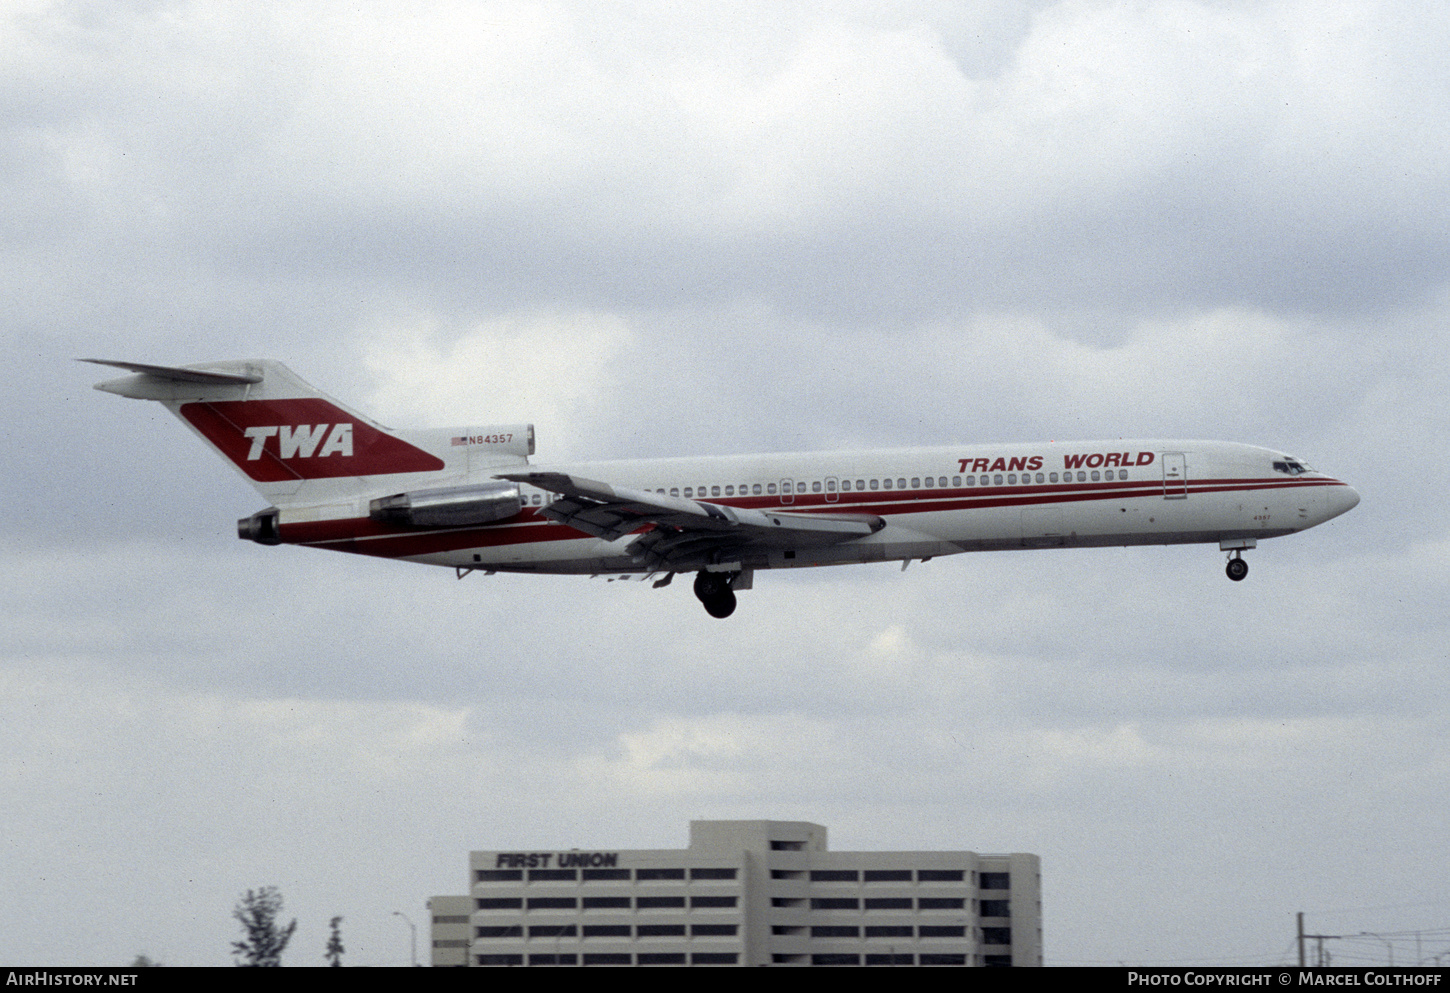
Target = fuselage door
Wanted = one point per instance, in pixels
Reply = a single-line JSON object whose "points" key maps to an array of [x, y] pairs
{"points": [[831, 494], [787, 494], [1175, 476]]}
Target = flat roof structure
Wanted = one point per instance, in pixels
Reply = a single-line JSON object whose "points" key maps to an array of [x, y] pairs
{"points": [[744, 893]]}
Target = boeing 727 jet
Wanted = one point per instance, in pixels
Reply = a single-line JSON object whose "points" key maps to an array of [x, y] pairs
{"points": [[469, 498]]}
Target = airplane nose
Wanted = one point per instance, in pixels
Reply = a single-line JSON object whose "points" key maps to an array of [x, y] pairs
{"points": [[1342, 499]]}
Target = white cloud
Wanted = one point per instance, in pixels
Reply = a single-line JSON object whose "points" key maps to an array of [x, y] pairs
{"points": [[688, 228], [554, 369]]}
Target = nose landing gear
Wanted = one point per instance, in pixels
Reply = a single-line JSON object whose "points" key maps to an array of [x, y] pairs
{"points": [[1237, 568], [714, 591]]}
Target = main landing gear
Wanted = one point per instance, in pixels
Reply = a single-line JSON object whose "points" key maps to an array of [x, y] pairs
{"points": [[1237, 568], [714, 591]]}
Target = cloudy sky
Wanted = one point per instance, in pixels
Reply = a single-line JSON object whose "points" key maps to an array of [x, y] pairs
{"points": [[673, 228]]}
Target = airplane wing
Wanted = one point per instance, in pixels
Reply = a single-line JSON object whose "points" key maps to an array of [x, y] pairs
{"points": [[680, 531]]}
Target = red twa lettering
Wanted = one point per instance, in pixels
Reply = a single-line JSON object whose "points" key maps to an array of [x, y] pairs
{"points": [[1092, 461]]}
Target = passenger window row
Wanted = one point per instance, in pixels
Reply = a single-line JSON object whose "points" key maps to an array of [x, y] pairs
{"points": [[900, 483]]}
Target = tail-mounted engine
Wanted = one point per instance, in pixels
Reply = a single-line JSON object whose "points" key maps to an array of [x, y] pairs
{"points": [[449, 507], [261, 527]]}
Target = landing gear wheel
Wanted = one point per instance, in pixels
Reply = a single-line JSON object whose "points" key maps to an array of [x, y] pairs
{"points": [[713, 590], [710, 584], [1237, 569], [721, 606]]}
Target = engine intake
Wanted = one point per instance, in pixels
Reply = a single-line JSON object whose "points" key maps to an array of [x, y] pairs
{"points": [[450, 506], [261, 527]]}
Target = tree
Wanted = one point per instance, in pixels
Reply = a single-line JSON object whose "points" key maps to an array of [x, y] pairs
{"points": [[265, 940], [334, 944]]}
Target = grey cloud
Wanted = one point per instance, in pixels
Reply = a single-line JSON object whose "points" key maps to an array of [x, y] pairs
{"points": [[814, 226]]}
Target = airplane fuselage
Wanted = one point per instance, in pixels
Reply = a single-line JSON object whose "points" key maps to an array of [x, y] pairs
{"points": [[935, 501], [471, 499]]}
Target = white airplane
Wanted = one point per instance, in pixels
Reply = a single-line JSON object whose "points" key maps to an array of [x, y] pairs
{"points": [[469, 498]]}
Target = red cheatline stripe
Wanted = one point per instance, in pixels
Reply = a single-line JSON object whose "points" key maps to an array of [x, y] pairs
{"points": [[369, 537]]}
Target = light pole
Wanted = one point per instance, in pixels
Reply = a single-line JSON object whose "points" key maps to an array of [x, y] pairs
{"points": [[1388, 944], [414, 928]]}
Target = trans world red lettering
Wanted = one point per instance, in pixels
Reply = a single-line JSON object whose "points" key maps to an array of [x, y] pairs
{"points": [[1016, 463], [1095, 459]]}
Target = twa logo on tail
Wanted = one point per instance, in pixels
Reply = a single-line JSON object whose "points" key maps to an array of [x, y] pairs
{"points": [[301, 440]]}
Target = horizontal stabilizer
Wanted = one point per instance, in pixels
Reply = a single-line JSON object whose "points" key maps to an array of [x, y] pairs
{"points": [[180, 374]]}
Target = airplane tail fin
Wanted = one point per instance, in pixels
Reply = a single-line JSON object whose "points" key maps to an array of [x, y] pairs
{"points": [[295, 444]]}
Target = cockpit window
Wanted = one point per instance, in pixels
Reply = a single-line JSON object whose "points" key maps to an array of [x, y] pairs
{"points": [[1292, 467]]}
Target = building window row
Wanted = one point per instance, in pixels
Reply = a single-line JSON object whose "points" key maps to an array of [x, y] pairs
{"points": [[598, 875], [989, 908], [877, 875], [873, 931], [604, 902], [614, 958], [879, 903], [872, 958], [606, 931]]}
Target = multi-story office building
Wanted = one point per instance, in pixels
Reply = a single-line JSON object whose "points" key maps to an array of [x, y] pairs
{"points": [[743, 893]]}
